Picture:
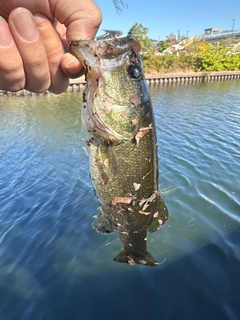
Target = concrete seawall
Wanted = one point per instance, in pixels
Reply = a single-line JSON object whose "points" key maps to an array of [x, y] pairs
{"points": [[160, 79], [193, 77], [175, 78]]}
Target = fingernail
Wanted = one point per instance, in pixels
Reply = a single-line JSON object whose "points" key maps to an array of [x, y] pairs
{"points": [[74, 68], [6, 40], [40, 18], [25, 24]]}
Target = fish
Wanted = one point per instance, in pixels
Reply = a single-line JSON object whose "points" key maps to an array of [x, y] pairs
{"points": [[121, 142]]}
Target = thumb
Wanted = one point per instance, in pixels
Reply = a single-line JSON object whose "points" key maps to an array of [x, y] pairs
{"points": [[82, 18]]}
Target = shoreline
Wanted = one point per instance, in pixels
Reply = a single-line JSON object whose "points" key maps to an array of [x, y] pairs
{"points": [[151, 78], [174, 78]]}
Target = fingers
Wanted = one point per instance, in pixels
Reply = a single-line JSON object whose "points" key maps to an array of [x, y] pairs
{"points": [[71, 66], [82, 20], [12, 75], [31, 49], [35, 54], [31, 52], [54, 50]]}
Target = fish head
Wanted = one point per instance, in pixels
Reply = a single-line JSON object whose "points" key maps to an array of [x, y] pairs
{"points": [[114, 90]]}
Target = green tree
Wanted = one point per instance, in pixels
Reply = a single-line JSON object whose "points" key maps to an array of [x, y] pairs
{"points": [[139, 33], [200, 55], [191, 57], [197, 55]]}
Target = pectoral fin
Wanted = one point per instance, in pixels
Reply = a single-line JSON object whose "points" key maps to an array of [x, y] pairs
{"points": [[108, 161]]}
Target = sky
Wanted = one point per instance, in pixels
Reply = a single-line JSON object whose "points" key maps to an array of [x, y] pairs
{"points": [[163, 17]]}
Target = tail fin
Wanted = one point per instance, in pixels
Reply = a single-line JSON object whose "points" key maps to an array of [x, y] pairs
{"points": [[132, 259]]}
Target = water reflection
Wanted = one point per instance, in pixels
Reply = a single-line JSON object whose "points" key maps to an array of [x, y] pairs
{"points": [[49, 252]]}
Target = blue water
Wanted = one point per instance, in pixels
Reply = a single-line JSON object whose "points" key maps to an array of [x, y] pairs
{"points": [[53, 265]]}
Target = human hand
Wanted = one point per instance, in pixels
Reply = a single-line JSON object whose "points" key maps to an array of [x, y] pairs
{"points": [[34, 38]]}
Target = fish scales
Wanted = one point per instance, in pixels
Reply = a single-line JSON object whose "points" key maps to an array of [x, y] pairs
{"points": [[122, 146]]}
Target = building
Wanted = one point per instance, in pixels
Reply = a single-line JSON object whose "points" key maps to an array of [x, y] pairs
{"points": [[215, 35], [212, 31]]}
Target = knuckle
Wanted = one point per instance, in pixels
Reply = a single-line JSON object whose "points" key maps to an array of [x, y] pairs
{"points": [[55, 56], [38, 65], [12, 77], [96, 14], [38, 76], [38, 85]]}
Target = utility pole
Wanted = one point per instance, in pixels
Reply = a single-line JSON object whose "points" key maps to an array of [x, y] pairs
{"points": [[233, 25]]}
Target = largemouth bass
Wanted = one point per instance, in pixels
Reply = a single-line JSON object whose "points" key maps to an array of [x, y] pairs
{"points": [[121, 142]]}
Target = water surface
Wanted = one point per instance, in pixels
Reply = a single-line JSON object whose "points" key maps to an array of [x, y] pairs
{"points": [[53, 265]]}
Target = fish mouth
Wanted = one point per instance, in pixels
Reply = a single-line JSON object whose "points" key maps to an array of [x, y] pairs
{"points": [[98, 55], [89, 51]]}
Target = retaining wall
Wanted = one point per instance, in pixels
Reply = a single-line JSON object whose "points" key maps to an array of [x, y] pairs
{"points": [[193, 77]]}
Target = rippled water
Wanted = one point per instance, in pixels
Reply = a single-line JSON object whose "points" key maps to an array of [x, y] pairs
{"points": [[53, 265]]}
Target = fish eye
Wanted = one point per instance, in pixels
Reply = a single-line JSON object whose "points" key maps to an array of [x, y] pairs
{"points": [[135, 71]]}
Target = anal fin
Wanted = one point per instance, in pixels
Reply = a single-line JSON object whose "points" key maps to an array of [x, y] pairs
{"points": [[160, 215], [102, 224]]}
